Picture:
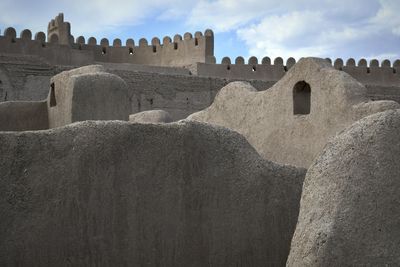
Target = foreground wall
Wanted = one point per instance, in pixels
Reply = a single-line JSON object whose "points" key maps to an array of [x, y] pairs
{"points": [[121, 194], [350, 212]]}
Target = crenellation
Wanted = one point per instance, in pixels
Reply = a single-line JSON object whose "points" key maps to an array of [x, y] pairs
{"points": [[80, 40], [10, 33], [143, 43], [278, 61], [351, 62], [374, 63], [226, 61], [130, 43], [386, 63], [177, 38], [117, 42], [363, 63], [253, 61], [329, 60], [167, 40], [290, 62], [266, 61], [104, 42], [187, 36], [40, 37], [239, 61], [155, 41], [26, 35], [338, 64], [92, 41]]}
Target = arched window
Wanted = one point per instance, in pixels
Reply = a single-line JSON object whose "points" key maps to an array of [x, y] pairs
{"points": [[301, 98]]}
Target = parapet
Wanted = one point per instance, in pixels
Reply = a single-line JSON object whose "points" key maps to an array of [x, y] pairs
{"points": [[61, 48], [372, 72]]}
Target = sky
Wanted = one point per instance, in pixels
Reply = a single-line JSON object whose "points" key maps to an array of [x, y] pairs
{"points": [[274, 28]]}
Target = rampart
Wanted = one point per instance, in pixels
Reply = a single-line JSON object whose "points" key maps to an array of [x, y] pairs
{"points": [[61, 49], [374, 73]]}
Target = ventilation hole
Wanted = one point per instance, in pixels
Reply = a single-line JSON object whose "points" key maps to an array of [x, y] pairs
{"points": [[254, 68], [5, 97], [228, 67], [130, 51], [103, 50], [151, 101], [13, 40], [394, 70], [53, 101], [43, 45], [175, 46], [301, 98], [1, 81], [154, 49], [196, 41], [285, 68], [368, 70]]}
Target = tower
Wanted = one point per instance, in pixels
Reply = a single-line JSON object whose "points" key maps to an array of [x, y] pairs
{"points": [[59, 31]]}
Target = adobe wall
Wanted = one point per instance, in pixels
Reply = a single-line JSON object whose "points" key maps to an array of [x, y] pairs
{"points": [[179, 51], [23, 115], [291, 122], [375, 74], [150, 87]]}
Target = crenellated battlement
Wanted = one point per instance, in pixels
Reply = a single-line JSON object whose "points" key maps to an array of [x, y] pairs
{"points": [[61, 47], [190, 50], [372, 72]]}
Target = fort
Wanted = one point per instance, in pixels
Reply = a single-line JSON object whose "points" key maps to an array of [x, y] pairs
{"points": [[151, 153]]}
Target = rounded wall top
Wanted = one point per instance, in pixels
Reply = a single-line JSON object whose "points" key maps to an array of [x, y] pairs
{"points": [[10, 32], [278, 61], [117, 42], [351, 62], [187, 36], [92, 41], [41, 37], [130, 43], [104, 42], [226, 61], [266, 61], [26, 34], [155, 41], [239, 61], [362, 63], [80, 40]]}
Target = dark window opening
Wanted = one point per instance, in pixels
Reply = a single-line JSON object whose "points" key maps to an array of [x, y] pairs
{"points": [[175, 46], [196, 41], [394, 70], [285, 68], [103, 50], [228, 67], [151, 101], [368, 70], [154, 49], [13, 40], [301, 98], [1, 81], [53, 101], [254, 68], [130, 51]]}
